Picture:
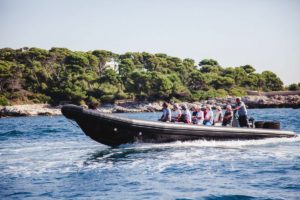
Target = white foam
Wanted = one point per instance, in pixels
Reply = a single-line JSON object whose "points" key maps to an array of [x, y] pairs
{"points": [[36, 158], [213, 143]]}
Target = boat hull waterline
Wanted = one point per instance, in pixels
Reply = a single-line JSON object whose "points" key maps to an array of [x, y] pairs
{"points": [[114, 130]]}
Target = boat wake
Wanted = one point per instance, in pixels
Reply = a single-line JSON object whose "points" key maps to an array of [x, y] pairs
{"points": [[166, 154], [213, 143]]}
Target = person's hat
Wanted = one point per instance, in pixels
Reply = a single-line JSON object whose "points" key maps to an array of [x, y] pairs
{"points": [[238, 99]]}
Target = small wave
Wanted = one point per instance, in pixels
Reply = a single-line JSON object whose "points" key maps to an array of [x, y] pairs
{"points": [[119, 155], [12, 133], [230, 197], [26, 194], [213, 143]]}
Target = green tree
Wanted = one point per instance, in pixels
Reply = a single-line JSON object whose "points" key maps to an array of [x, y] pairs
{"points": [[293, 87], [125, 68], [196, 81], [103, 57], [248, 69], [77, 59], [161, 86], [272, 82], [139, 84], [110, 76], [210, 62], [223, 83], [210, 69]]}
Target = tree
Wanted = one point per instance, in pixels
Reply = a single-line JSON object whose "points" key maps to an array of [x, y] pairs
{"points": [[77, 59], [222, 83], [251, 82], [210, 69], [125, 68], [196, 81], [228, 72], [103, 57], [161, 86], [294, 87], [239, 75], [210, 62], [5, 73], [139, 83], [272, 82], [179, 90], [248, 69], [110, 76]]}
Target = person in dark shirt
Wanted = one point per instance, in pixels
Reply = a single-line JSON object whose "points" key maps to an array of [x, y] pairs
{"points": [[194, 114], [227, 119]]}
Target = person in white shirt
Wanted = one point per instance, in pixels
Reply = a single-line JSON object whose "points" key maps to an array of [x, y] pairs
{"points": [[176, 113], [186, 114], [199, 116], [209, 117], [218, 119]]}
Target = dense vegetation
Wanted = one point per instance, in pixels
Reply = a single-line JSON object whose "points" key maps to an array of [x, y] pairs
{"points": [[60, 75]]}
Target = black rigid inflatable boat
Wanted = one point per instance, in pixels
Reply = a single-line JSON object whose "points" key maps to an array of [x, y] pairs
{"points": [[114, 130]]}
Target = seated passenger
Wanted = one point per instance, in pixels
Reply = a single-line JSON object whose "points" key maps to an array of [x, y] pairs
{"points": [[186, 116], [209, 117], [194, 113], [204, 111], [218, 119], [176, 113], [166, 116], [198, 118], [227, 119]]}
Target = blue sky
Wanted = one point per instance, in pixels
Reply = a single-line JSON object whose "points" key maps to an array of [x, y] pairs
{"points": [[263, 33]]}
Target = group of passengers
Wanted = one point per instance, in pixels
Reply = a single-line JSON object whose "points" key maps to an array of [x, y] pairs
{"points": [[205, 115]]}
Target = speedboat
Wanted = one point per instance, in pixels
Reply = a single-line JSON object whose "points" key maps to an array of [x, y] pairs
{"points": [[113, 130]]}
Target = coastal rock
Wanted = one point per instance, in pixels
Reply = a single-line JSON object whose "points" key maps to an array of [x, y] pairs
{"points": [[153, 107], [29, 110], [120, 109], [272, 101], [138, 107]]}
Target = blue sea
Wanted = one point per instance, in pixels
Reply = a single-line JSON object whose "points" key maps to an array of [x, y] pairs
{"points": [[50, 158]]}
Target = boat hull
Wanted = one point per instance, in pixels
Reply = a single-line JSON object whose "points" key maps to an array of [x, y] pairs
{"points": [[113, 130]]}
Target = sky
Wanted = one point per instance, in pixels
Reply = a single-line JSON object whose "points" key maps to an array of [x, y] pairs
{"points": [[262, 33]]}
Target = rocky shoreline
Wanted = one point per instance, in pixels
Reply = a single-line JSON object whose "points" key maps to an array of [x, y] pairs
{"points": [[29, 110], [276, 101]]}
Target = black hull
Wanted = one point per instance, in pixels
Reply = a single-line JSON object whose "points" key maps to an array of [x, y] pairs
{"points": [[114, 130]]}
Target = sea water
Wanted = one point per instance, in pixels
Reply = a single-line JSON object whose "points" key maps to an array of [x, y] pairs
{"points": [[50, 158]]}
